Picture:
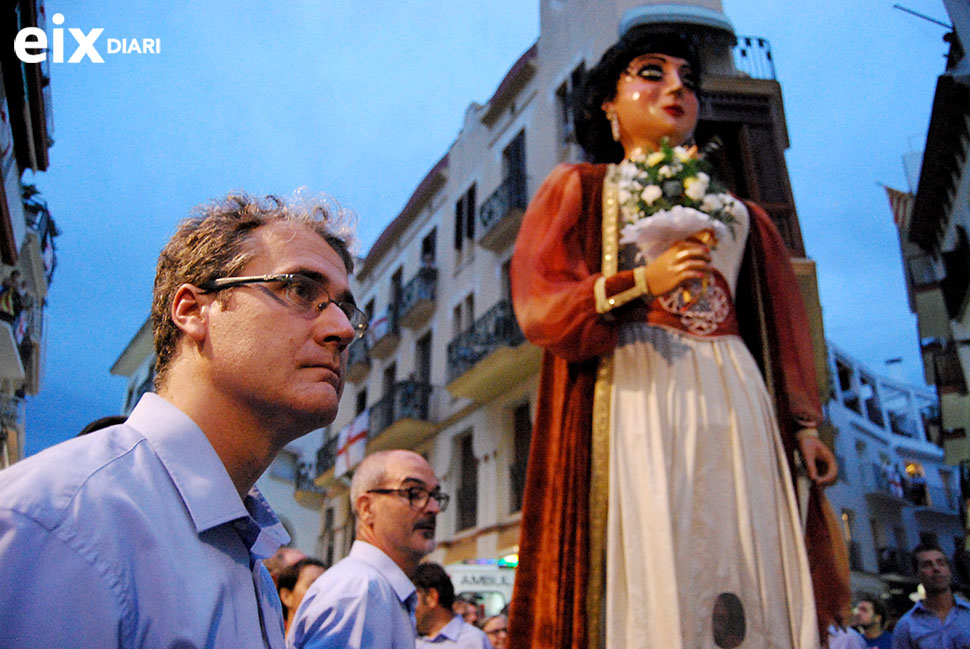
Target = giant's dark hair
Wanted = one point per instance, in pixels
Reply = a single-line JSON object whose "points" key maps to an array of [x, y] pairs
{"points": [[592, 128]]}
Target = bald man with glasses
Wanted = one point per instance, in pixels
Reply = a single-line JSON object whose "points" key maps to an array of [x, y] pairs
{"points": [[367, 600]]}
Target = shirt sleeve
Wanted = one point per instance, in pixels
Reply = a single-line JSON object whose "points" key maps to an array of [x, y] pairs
{"points": [[52, 595], [352, 615], [552, 282]]}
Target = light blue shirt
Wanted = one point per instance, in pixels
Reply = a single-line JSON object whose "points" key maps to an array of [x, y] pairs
{"points": [[457, 633], [365, 601], [134, 536], [921, 629]]}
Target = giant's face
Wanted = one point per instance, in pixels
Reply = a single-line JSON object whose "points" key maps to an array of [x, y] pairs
{"points": [[655, 98]]}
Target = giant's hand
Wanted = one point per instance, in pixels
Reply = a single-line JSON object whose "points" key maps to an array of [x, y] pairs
{"points": [[817, 455], [684, 260]]}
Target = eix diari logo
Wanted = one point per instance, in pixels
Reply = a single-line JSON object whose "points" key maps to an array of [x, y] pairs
{"points": [[31, 44]]}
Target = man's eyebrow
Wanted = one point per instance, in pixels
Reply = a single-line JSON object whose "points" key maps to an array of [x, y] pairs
{"points": [[416, 480]]}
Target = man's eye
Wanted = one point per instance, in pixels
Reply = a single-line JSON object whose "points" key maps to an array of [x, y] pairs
{"points": [[299, 289]]}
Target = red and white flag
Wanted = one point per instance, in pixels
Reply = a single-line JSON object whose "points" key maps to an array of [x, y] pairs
{"points": [[351, 441], [901, 203]]}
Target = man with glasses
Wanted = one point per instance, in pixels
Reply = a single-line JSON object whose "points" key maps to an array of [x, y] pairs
{"points": [[149, 533], [367, 600]]}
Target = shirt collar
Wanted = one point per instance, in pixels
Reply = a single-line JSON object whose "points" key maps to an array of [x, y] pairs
{"points": [[200, 476], [373, 555], [957, 603], [451, 630]]}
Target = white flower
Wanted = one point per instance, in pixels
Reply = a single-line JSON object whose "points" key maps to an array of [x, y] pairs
{"points": [[696, 186], [651, 193], [712, 203], [665, 172], [735, 208], [655, 158], [681, 153]]}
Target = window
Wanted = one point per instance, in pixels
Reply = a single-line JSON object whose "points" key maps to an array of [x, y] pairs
{"points": [[506, 280], [361, 402], [428, 248], [513, 170], [397, 281], [456, 324], [849, 397], [369, 310], [521, 439], [871, 397], [465, 219], [423, 359], [565, 95], [956, 284], [467, 483], [390, 373], [469, 311]]}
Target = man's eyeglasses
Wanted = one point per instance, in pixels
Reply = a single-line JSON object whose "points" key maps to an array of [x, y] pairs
{"points": [[418, 496], [306, 296]]}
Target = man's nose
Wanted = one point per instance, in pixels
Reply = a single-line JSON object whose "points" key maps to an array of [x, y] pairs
{"points": [[333, 325]]}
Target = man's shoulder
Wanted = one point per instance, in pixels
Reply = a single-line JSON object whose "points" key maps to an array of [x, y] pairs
{"points": [[352, 577], [472, 637], [65, 479]]}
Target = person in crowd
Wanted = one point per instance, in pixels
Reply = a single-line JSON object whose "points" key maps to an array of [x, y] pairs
{"points": [[367, 599], [437, 623], [496, 628], [941, 620], [292, 583], [845, 638], [870, 616], [281, 560], [150, 533], [656, 439], [467, 608]]}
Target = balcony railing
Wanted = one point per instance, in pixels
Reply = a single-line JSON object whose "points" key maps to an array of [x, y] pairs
{"points": [[496, 328], [418, 296], [384, 332], [752, 56], [12, 411], [358, 361], [496, 216], [304, 481], [405, 400], [327, 456]]}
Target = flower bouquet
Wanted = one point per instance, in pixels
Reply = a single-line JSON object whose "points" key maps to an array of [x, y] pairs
{"points": [[665, 196]]}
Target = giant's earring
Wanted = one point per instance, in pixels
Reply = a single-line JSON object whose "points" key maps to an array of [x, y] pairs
{"points": [[614, 123]]}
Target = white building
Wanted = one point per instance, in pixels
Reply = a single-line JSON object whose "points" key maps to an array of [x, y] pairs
{"points": [[27, 230], [894, 489]]}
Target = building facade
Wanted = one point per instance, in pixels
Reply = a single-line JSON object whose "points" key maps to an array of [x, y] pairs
{"points": [[934, 234], [27, 230], [445, 370], [894, 488]]}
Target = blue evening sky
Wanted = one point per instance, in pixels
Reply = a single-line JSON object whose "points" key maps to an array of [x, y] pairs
{"points": [[359, 98]]}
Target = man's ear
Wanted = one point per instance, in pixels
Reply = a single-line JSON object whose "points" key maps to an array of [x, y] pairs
{"points": [[433, 597], [286, 596], [190, 311], [364, 509]]}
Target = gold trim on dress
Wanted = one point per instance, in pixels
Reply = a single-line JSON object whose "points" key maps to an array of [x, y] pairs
{"points": [[599, 475]]}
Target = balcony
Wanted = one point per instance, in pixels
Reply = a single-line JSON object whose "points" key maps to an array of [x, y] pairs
{"points": [[938, 501], [306, 492], [752, 57], [487, 358], [947, 370], [384, 333], [885, 483], [417, 298], [326, 458], [358, 361], [500, 215], [402, 418]]}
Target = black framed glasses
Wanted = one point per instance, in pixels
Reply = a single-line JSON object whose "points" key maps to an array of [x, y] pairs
{"points": [[305, 295], [418, 496]]}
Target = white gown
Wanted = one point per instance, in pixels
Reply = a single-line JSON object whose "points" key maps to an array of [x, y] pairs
{"points": [[702, 516]]}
